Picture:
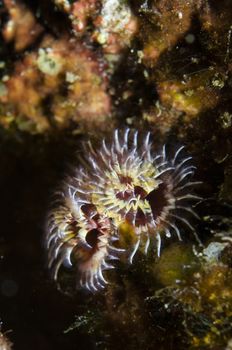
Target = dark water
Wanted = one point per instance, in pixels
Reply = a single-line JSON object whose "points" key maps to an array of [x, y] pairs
{"points": [[31, 306]]}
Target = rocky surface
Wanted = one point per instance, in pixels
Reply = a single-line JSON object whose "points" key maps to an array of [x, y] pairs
{"points": [[74, 70]]}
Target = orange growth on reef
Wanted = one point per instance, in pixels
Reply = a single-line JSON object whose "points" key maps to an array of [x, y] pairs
{"points": [[21, 27], [61, 83]]}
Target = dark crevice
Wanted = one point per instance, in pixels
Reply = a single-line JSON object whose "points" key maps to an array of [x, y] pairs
{"points": [[157, 200], [140, 219], [92, 238]]}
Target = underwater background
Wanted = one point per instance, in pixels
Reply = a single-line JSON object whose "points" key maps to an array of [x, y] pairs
{"points": [[73, 71]]}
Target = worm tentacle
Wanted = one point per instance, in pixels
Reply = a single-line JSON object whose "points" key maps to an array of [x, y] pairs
{"points": [[123, 192]]}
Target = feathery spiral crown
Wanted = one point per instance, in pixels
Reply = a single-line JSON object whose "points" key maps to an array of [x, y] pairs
{"points": [[122, 183]]}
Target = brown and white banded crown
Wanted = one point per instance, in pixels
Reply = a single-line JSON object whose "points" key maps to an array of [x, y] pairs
{"points": [[123, 182]]}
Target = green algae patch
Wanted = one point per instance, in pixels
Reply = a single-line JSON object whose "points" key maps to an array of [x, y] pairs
{"points": [[174, 265]]}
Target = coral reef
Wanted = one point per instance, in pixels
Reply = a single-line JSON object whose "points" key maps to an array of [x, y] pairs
{"points": [[59, 91], [21, 28], [113, 24], [205, 301], [75, 70]]}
